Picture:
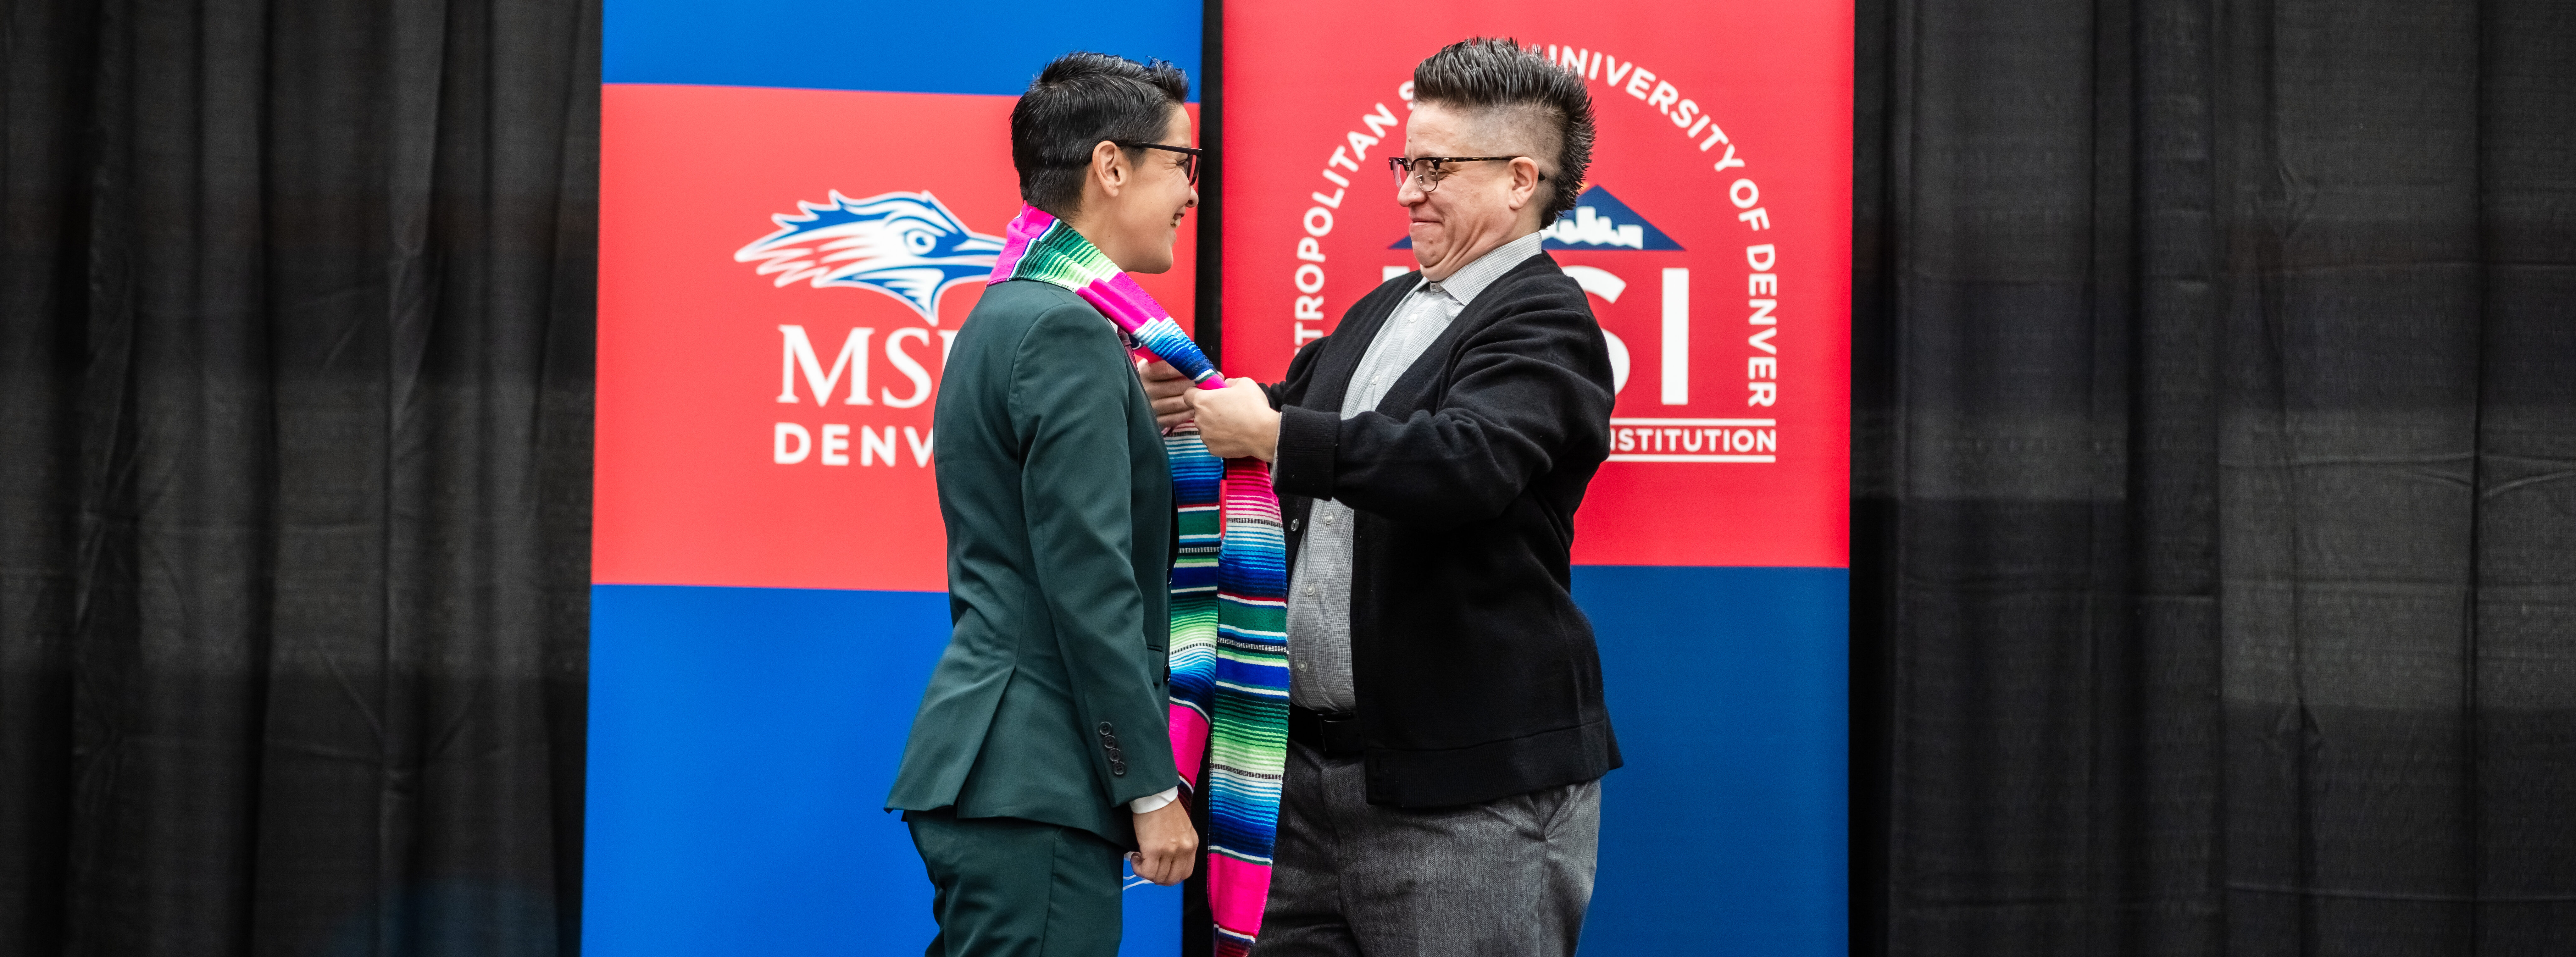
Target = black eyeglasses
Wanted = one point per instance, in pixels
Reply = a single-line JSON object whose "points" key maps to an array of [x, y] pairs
{"points": [[1189, 156], [1426, 169]]}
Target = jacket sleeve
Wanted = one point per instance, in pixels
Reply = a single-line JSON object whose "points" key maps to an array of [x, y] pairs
{"points": [[1528, 388], [1069, 387]]}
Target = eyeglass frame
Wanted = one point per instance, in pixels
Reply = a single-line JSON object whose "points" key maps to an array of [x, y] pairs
{"points": [[1402, 166], [1190, 155]]}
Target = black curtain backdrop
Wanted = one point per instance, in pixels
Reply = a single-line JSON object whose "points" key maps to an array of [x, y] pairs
{"points": [[295, 350], [2215, 472]]}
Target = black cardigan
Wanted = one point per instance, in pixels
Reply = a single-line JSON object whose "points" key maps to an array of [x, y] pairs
{"points": [[1476, 675]]}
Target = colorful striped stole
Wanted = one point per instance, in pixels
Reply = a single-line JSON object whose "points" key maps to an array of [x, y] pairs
{"points": [[1229, 691]]}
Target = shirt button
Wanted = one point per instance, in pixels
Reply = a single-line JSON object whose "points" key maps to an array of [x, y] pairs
{"points": [[1310, 590], [1330, 519]]}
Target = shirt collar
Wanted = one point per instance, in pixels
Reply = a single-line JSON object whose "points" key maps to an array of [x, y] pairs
{"points": [[1473, 277]]}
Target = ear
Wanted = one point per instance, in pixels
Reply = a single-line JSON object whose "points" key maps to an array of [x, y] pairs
{"points": [[1109, 168], [1525, 181]]}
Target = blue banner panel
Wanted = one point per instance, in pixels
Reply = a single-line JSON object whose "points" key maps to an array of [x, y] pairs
{"points": [[741, 744], [1724, 834], [991, 48], [742, 741]]}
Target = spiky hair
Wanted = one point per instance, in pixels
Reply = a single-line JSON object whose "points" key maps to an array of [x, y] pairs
{"points": [[1497, 74]]}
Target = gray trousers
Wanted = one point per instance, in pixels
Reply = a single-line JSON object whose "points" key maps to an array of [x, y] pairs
{"points": [[1349, 878]]}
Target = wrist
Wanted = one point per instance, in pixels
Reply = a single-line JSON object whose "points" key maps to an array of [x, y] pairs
{"points": [[1154, 802]]}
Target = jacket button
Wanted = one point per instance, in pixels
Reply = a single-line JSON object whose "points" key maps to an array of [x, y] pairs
{"points": [[1292, 524], [1118, 769], [1106, 730]]}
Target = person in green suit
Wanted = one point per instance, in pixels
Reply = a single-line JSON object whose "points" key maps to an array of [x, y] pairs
{"points": [[1040, 751]]}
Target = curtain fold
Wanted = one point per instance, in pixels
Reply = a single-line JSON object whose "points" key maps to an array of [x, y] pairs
{"points": [[2215, 559], [296, 410]]}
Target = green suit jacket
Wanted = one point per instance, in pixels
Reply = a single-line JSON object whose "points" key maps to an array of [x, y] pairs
{"points": [[1049, 704]]}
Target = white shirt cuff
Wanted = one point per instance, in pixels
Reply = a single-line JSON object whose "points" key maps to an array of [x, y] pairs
{"points": [[1154, 802]]}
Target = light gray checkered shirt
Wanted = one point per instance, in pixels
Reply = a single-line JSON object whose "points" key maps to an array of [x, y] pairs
{"points": [[1319, 593]]}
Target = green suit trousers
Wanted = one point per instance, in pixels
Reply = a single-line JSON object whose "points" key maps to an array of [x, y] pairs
{"points": [[1009, 887]]}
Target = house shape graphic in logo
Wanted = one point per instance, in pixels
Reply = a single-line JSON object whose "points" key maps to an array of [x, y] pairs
{"points": [[1598, 221]]}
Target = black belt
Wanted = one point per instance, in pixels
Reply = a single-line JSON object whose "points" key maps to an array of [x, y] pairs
{"points": [[1337, 735]]}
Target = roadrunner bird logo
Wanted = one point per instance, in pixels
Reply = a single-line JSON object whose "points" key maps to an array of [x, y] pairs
{"points": [[906, 245]]}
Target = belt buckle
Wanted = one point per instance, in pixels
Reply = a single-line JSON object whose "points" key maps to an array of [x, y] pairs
{"points": [[1338, 735]]}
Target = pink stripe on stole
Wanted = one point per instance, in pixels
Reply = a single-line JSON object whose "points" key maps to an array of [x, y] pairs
{"points": [[1118, 306], [1236, 892], [1189, 743], [1247, 487], [1025, 228]]}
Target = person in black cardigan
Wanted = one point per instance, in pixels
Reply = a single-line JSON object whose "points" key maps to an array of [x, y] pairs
{"points": [[1448, 733]]}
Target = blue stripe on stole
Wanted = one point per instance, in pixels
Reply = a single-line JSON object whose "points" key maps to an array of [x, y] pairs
{"points": [[1163, 337], [1243, 836], [1248, 832], [1254, 579]]}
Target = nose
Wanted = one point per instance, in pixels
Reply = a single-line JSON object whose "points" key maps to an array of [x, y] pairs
{"points": [[1408, 192]]}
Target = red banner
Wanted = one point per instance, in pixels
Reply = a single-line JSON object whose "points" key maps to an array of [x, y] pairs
{"points": [[1713, 233], [778, 286]]}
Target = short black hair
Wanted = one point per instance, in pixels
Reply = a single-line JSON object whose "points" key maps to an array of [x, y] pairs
{"points": [[1077, 101], [1494, 73]]}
